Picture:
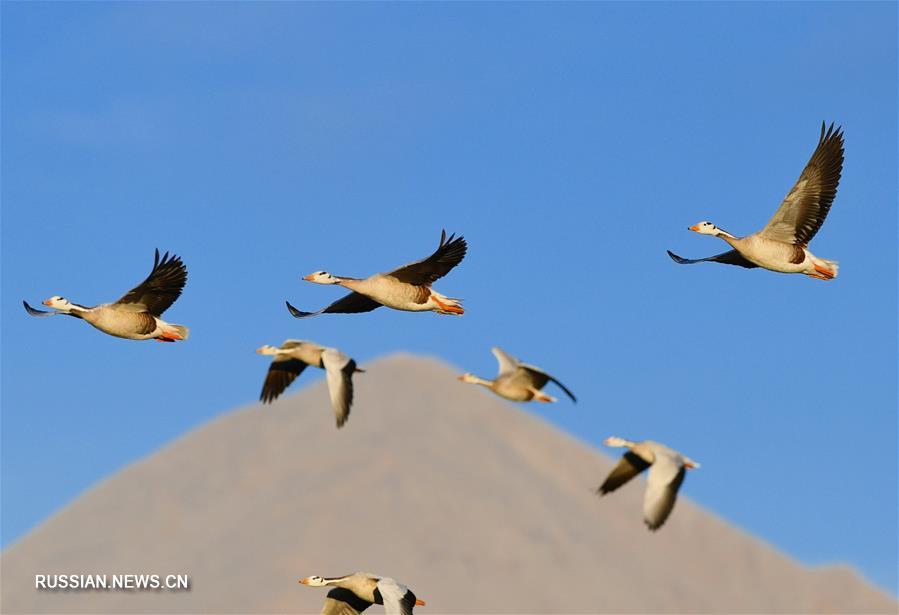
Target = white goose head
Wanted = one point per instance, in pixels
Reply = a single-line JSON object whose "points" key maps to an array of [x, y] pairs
{"points": [[313, 581], [59, 303], [321, 277], [705, 228]]}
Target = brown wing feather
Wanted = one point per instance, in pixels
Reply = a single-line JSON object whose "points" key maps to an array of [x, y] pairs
{"points": [[280, 374], [628, 467], [448, 254], [161, 288], [804, 209]]}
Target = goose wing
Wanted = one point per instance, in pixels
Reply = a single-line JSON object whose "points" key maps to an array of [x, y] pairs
{"points": [[342, 601], [665, 478], [161, 288], [354, 303], [731, 257], [539, 378], [281, 373], [806, 205], [339, 369], [627, 467], [507, 363], [448, 254], [398, 599], [40, 313]]}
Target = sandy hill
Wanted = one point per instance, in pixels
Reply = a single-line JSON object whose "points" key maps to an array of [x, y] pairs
{"points": [[478, 506]]}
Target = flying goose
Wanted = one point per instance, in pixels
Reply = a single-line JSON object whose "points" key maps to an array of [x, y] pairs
{"points": [[517, 381], [294, 356], [407, 288], [783, 244], [667, 471], [356, 592], [136, 316]]}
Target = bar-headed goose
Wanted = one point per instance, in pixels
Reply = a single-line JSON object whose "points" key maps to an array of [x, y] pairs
{"points": [[294, 356], [407, 288], [783, 244], [667, 469], [356, 592], [136, 316], [517, 381]]}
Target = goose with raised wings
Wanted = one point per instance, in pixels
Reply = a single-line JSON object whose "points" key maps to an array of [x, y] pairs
{"points": [[783, 244], [517, 381], [667, 469], [354, 593], [136, 316], [407, 288], [294, 356]]}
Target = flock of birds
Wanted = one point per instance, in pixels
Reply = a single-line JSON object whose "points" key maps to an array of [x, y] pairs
{"points": [[782, 246]]}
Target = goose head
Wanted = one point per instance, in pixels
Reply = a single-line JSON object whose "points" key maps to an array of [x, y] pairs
{"points": [[267, 349], [321, 277], [59, 303], [313, 581], [616, 442], [705, 228]]}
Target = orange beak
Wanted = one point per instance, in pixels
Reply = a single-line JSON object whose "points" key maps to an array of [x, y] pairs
{"points": [[46, 302], [304, 581], [420, 602], [695, 227], [308, 278]]}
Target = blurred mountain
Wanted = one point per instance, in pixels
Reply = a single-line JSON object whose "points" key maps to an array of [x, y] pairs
{"points": [[477, 505]]}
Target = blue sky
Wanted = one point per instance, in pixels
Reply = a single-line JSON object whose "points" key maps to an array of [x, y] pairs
{"points": [[572, 144]]}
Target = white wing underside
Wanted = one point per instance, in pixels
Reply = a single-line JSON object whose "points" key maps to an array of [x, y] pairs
{"points": [[339, 385], [507, 363], [661, 493], [392, 593]]}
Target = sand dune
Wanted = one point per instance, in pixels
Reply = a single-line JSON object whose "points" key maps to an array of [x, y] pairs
{"points": [[476, 505]]}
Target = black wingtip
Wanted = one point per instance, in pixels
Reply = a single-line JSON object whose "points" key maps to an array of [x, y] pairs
{"points": [[297, 313], [677, 259], [33, 312]]}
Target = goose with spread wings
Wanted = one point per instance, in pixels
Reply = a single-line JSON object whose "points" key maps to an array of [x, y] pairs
{"points": [[667, 469], [783, 244], [354, 593], [407, 288], [517, 381], [136, 316], [294, 356]]}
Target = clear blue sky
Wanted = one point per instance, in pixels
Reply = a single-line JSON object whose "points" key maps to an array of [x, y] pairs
{"points": [[570, 143]]}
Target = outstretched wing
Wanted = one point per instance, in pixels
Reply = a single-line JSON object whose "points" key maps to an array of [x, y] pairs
{"points": [[398, 599], [449, 253], [342, 601], [665, 478], [539, 378], [627, 467], [339, 369], [161, 288], [806, 205], [40, 313], [353, 303], [731, 257], [507, 363], [281, 373]]}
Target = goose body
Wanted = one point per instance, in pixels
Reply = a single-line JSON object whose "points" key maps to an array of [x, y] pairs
{"points": [[667, 469], [517, 381], [294, 356], [407, 288], [355, 592], [782, 245], [136, 316]]}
